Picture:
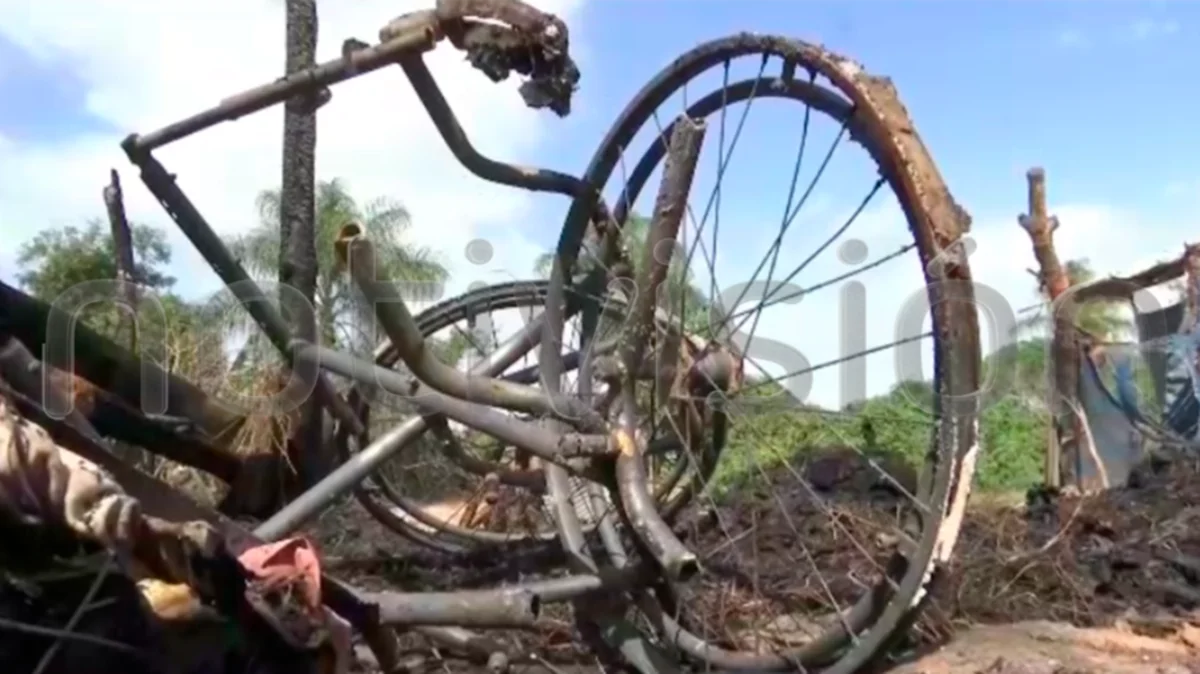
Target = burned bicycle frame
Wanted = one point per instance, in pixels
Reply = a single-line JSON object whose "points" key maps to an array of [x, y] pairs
{"points": [[574, 432]]}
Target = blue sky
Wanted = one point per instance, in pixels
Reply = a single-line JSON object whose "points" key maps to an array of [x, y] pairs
{"points": [[1099, 93]]}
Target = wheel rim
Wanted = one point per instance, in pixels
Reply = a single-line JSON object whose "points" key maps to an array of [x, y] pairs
{"points": [[872, 115]]}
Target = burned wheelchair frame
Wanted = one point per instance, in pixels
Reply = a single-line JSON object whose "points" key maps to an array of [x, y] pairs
{"points": [[574, 438]]}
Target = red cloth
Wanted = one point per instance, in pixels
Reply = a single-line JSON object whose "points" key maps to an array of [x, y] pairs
{"points": [[291, 562], [294, 564]]}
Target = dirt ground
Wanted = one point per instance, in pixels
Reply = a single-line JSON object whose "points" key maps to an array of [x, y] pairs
{"points": [[1043, 647], [1046, 584]]}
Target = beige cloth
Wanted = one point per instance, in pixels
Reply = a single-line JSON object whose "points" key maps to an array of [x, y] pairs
{"points": [[42, 483]]}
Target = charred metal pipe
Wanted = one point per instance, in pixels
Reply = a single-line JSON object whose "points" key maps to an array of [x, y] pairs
{"points": [[683, 153], [505, 607], [641, 509], [358, 254], [604, 580], [162, 185], [535, 179], [362, 464], [353, 63], [538, 441]]}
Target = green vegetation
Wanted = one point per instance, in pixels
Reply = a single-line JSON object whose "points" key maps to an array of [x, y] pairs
{"points": [[766, 435], [767, 431], [196, 331], [343, 318], [1014, 425]]}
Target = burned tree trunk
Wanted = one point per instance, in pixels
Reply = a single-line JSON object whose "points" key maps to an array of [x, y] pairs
{"points": [[112, 368], [114, 203], [297, 250], [1062, 455]]}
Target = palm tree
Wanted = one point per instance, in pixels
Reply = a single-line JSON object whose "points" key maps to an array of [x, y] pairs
{"points": [[684, 296], [341, 312], [1098, 318]]}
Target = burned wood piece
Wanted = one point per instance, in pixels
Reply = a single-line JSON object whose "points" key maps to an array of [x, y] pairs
{"points": [[97, 412], [114, 368], [114, 204], [1063, 456], [168, 437], [41, 481], [1124, 287], [189, 551]]}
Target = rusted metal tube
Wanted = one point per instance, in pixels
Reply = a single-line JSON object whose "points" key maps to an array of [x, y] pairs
{"points": [[162, 185], [358, 254], [506, 607], [572, 587], [361, 464], [683, 153], [641, 509], [535, 439], [536, 179], [353, 63]]}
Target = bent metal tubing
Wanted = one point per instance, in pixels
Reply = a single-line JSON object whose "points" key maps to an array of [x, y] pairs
{"points": [[358, 254], [362, 464], [354, 63], [504, 607], [163, 186], [518, 605], [683, 153], [550, 446]]}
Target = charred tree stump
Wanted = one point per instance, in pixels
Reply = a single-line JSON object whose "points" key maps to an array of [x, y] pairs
{"points": [[1062, 464]]}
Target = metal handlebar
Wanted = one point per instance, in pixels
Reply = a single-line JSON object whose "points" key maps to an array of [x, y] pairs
{"points": [[533, 44]]}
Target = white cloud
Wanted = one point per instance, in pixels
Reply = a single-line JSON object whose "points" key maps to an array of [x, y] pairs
{"points": [[147, 64], [188, 55]]}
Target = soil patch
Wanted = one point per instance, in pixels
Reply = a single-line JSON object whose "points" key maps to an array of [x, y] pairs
{"points": [[1125, 562]]}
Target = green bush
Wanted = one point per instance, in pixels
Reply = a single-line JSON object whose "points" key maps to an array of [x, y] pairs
{"points": [[767, 432]]}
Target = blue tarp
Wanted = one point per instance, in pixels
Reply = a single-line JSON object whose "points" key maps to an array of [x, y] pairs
{"points": [[1112, 403], [1118, 442]]}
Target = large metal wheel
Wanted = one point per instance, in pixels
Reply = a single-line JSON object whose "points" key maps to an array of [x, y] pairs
{"points": [[865, 109]]}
